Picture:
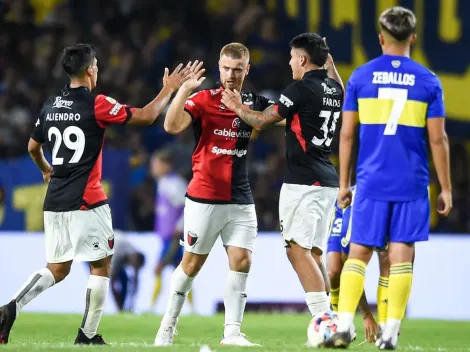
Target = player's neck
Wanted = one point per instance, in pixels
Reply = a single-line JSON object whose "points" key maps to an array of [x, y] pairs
{"points": [[77, 82], [396, 50]]}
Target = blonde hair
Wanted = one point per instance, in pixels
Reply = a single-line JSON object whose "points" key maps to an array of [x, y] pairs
{"points": [[235, 51]]}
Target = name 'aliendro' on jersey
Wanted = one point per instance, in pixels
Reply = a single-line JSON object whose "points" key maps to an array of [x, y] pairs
{"points": [[312, 107], [394, 97], [72, 124]]}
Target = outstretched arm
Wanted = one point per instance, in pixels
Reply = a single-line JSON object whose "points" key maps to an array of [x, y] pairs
{"points": [[256, 119]]}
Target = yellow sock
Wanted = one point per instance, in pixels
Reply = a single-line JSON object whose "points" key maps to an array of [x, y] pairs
{"points": [[334, 298], [156, 289], [399, 288], [382, 300], [352, 285]]}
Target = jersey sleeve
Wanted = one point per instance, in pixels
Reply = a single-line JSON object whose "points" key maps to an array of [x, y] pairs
{"points": [[350, 100], [37, 132], [265, 103], [289, 100], [194, 105], [109, 112], [436, 107]]}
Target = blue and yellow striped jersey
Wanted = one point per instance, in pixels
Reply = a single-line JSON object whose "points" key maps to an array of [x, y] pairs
{"points": [[394, 97]]}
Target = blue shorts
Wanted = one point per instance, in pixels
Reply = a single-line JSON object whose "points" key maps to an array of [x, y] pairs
{"points": [[177, 257], [338, 240], [375, 223]]}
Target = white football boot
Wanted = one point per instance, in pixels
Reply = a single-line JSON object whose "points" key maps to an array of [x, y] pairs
{"points": [[238, 340]]}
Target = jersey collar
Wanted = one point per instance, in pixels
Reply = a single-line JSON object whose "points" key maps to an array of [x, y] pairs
{"points": [[316, 73]]}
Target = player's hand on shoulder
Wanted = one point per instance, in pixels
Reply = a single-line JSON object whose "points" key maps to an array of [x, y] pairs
{"points": [[231, 98], [195, 77], [174, 80], [444, 202], [344, 197]]}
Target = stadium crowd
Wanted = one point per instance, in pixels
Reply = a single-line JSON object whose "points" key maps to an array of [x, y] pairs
{"points": [[136, 40]]}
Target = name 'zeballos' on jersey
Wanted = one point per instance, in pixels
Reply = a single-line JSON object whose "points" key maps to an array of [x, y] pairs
{"points": [[72, 124], [312, 107], [394, 96], [220, 172]]}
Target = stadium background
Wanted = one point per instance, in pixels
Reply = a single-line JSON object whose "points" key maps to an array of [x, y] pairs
{"points": [[137, 39]]}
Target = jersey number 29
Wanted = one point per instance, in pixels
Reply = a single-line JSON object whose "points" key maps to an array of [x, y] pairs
{"points": [[78, 145], [399, 97]]}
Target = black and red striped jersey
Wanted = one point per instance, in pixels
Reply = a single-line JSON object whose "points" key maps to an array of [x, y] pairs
{"points": [[312, 107], [219, 165], [72, 124]]}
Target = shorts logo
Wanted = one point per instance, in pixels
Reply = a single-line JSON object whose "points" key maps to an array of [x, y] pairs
{"points": [[344, 242], [192, 238], [111, 242], [96, 245]]}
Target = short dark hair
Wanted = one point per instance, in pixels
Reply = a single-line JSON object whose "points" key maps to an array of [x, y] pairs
{"points": [[76, 58], [314, 45], [399, 22]]}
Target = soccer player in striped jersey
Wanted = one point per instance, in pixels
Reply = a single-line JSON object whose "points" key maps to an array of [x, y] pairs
{"points": [[394, 100]]}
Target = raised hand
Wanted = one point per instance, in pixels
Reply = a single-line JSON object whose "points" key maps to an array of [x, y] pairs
{"points": [[174, 80], [195, 78]]}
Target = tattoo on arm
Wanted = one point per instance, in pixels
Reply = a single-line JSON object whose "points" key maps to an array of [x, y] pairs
{"points": [[258, 119]]}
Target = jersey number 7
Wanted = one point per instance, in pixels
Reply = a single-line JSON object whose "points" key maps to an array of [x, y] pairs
{"points": [[399, 97]]}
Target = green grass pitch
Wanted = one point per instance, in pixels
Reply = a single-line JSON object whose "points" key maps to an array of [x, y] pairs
{"points": [[276, 332]]}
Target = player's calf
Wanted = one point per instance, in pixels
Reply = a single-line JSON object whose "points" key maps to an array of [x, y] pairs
{"points": [[334, 265], [96, 293], [235, 294], [310, 277]]}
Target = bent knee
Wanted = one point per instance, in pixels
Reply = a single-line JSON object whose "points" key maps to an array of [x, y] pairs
{"points": [[59, 271]]}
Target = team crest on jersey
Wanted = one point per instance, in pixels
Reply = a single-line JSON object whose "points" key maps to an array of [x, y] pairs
{"points": [[396, 63], [111, 100], [191, 238]]}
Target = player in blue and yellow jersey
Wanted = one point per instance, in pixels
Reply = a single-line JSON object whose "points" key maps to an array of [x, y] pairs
{"points": [[394, 100], [337, 254]]}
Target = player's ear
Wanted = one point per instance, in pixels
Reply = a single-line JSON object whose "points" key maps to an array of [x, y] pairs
{"points": [[247, 70], [381, 39], [89, 71], [413, 38]]}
